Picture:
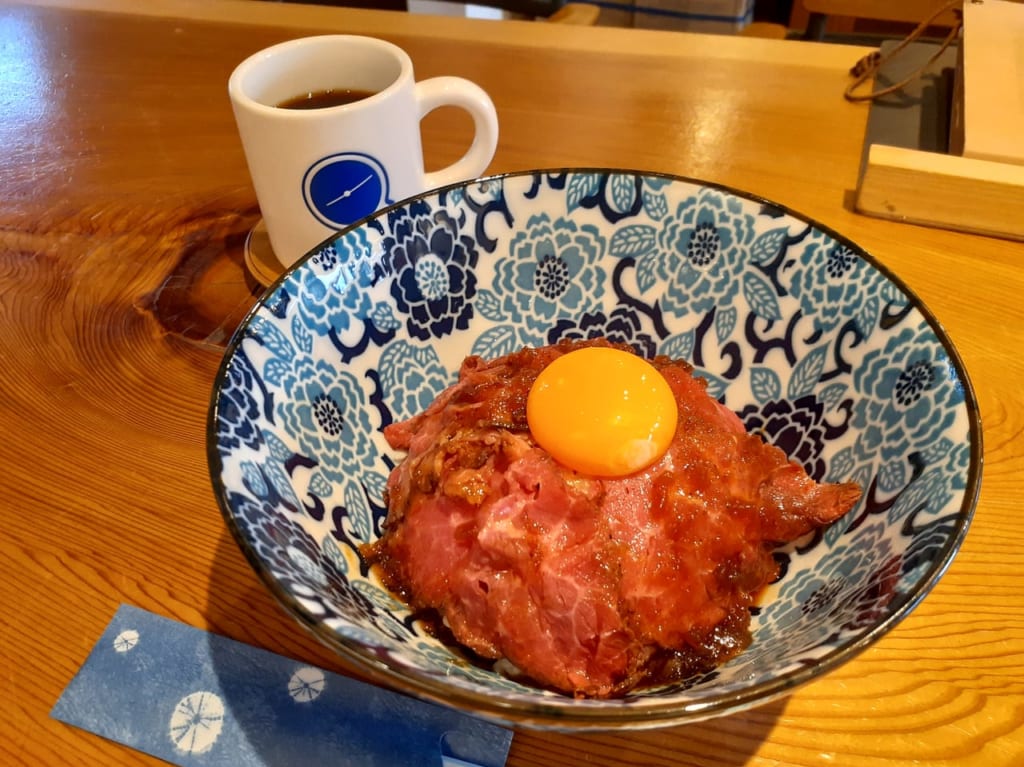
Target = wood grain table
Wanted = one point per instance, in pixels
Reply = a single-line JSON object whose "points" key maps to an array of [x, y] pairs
{"points": [[124, 204]]}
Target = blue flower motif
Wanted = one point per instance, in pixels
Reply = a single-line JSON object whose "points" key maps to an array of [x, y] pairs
{"points": [[850, 587], [335, 290], [908, 395], [411, 377], [622, 325], [238, 411], [797, 427], [957, 464], [434, 267], [700, 254], [553, 272], [290, 552], [833, 284], [326, 411]]}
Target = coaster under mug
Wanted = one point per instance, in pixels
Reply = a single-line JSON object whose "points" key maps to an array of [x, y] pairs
{"points": [[260, 259]]}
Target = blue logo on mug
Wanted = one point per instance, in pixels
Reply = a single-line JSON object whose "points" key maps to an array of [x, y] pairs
{"points": [[341, 189]]}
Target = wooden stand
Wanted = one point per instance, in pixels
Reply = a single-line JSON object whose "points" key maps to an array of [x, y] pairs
{"points": [[980, 187]]}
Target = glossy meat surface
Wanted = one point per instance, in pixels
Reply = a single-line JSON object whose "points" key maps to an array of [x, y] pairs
{"points": [[589, 586]]}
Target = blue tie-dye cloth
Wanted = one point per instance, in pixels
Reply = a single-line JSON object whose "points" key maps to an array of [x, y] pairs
{"points": [[194, 698]]}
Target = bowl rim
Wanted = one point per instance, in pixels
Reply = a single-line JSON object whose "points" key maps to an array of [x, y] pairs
{"points": [[559, 713]]}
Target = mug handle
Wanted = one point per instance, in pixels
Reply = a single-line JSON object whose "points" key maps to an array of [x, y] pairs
{"points": [[455, 91]]}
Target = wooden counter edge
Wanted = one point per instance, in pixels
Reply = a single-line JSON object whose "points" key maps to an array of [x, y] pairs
{"points": [[565, 37]]}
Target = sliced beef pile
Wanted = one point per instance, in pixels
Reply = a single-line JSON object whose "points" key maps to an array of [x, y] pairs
{"points": [[585, 585]]}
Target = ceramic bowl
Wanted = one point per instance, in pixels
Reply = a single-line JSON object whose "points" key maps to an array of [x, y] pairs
{"points": [[807, 337]]}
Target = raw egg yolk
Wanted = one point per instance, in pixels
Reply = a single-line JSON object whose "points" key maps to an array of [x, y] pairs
{"points": [[602, 411]]}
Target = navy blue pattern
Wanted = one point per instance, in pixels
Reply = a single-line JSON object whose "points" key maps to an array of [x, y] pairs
{"points": [[810, 341]]}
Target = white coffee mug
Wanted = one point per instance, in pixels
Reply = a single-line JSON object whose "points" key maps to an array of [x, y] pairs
{"points": [[316, 171]]}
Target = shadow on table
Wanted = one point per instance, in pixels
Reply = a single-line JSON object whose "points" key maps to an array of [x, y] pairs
{"points": [[727, 741], [240, 607]]}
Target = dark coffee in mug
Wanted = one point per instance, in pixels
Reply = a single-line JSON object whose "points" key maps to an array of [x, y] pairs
{"points": [[332, 97]]}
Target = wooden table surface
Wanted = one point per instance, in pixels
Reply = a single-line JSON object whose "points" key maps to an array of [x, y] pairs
{"points": [[124, 202]]}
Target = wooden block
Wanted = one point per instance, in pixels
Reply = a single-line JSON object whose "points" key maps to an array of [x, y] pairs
{"points": [[960, 193], [911, 11], [993, 81], [583, 14]]}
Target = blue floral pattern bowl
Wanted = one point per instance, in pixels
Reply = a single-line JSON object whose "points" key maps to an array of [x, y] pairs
{"points": [[812, 342]]}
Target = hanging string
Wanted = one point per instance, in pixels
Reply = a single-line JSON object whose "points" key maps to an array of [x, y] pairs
{"points": [[868, 66]]}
